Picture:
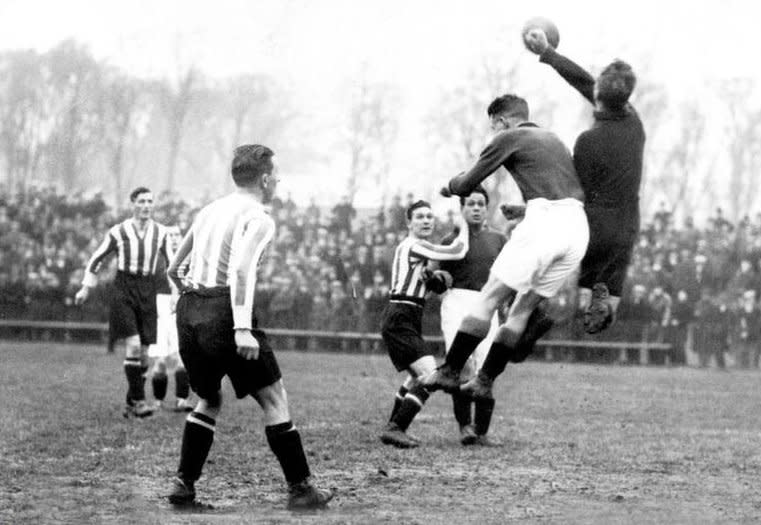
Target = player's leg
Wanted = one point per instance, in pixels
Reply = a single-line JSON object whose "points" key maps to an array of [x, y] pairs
{"points": [[472, 330], [160, 350], [285, 442], [483, 407], [414, 399], [159, 379], [454, 306], [205, 374], [409, 381], [197, 439], [505, 347]]}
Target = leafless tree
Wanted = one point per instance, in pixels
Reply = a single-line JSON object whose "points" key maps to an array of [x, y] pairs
{"points": [[743, 133], [177, 101], [22, 115], [371, 133], [75, 95]]}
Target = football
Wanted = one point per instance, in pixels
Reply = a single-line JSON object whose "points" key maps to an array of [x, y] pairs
{"points": [[546, 25]]}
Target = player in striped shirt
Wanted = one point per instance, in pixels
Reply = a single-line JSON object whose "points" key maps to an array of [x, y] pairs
{"points": [[218, 333], [401, 327], [137, 242]]}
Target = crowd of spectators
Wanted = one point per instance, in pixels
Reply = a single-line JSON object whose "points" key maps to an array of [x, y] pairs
{"points": [[329, 268]]}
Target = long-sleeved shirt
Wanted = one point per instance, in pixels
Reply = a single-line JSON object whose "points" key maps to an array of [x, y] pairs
{"points": [[608, 156], [136, 252], [410, 259], [472, 271], [537, 159], [226, 242]]}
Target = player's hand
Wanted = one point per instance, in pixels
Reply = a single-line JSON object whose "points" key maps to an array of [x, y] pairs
{"points": [[536, 41], [82, 295], [512, 212], [173, 303], [248, 346], [445, 191]]}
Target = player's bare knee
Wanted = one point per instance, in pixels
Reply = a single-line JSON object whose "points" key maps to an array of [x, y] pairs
{"points": [[507, 336], [132, 347], [274, 402], [210, 405], [423, 367], [475, 325]]}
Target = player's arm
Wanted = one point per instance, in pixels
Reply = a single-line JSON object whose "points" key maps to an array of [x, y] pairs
{"points": [[107, 247], [249, 242], [490, 160], [574, 74], [441, 252], [177, 260]]}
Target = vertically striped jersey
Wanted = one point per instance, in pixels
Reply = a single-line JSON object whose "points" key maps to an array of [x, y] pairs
{"points": [[136, 252], [411, 258], [229, 236]]}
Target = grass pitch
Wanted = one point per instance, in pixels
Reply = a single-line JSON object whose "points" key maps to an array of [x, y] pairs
{"points": [[580, 444]]}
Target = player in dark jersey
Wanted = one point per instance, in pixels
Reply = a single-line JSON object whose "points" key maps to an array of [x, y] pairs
{"points": [[401, 327], [467, 277], [137, 242], [543, 251], [608, 160]]}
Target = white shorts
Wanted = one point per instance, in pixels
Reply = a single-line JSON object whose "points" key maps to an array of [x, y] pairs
{"points": [[166, 330], [545, 248], [455, 305]]}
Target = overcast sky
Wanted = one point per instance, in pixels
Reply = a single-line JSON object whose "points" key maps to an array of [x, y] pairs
{"points": [[317, 46]]}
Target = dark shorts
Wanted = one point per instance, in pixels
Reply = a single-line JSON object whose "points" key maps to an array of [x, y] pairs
{"points": [[611, 242], [207, 346], [133, 308], [401, 330]]}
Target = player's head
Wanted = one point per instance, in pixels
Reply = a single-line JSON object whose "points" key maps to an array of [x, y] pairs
{"points": [[253, 167], [506, 111], [473, 206], [174, 236], [142, 203], [615, 84], [420, 219]]}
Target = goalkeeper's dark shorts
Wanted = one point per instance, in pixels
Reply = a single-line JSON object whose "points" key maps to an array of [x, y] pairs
{"points": [[612, 235]]}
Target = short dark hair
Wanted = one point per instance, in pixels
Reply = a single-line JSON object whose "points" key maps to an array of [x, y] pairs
{"points": [[615, 84], [250, 162], [478, 189], [137, 191], [510, 105], [414, 206]]}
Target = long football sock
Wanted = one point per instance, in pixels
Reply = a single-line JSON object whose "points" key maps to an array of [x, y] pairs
{"points": [[496, 360], [413, 402], [143, 375], [484, 410], [181, 384], [462, 347], [196, 443], [285, 442], [398, 400], [461, 405], [538, 324], [134, 372], [159, 382]]}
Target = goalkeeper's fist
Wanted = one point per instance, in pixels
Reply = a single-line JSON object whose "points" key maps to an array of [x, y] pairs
{"points": [[445, 191]]}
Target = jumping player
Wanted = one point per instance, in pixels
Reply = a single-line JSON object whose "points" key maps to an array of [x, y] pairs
{"points": [[468, 277], [608, 160], [543, 251], [166, 352], [218, 332], [401, 327], [138, 242]]}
